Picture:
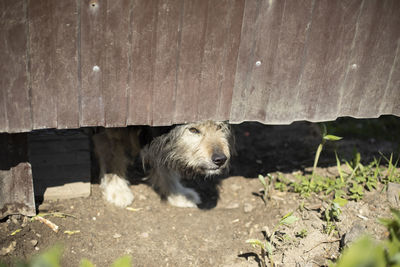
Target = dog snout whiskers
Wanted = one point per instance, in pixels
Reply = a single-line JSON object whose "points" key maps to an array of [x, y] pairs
{"points": [[218, 159]]}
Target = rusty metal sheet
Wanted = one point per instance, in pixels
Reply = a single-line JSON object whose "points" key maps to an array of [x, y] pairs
{"points": [[372, 58], [341, 61], [161, 62], [190, 59], [257, 55], [15, 108], [167, 44], [16, 186], [219, 42], [116, 68], [390, 103], [53, 32], [142, 58], [290, 55], [328, 50], [92, 44]]}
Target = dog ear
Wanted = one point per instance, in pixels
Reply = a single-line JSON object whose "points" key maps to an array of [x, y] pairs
{"points": [[232, 142], [226, 127]]}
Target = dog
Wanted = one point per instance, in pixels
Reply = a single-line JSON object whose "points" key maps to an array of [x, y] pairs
{"points": [[185, 152]]}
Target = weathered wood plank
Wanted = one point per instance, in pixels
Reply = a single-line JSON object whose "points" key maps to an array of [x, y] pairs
{"points": [[115, 74], [328, 50], [53, 29], [93, 19], [16, 187], [15, 112], [16, 191], [142, 59], [372, 58], [190, 60], [169, 18]]}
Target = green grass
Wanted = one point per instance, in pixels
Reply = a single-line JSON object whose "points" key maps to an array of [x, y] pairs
{"points": [[369, 252], [52, 258], [347, 185], [267, 246]]}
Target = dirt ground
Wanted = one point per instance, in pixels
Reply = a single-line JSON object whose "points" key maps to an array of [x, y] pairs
{"points": [[156, 234]]}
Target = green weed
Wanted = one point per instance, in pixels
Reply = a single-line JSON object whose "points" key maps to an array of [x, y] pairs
{"points": [[267, 246], [52, 258], [325, 137], [368, 252], [331, 216], [347, 185]]}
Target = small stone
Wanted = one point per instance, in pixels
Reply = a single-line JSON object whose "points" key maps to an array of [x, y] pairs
{"points": [[142, 197], [15, 219], [233, 205], [235, 187], [356, 231], [37, 248], [34, 242], [144, 235], [248, 207], [393, 194], [117, 236], [25, 221], [7, 250]]}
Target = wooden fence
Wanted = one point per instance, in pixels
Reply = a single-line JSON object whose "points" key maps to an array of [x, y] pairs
{"points": [[73, 63]]}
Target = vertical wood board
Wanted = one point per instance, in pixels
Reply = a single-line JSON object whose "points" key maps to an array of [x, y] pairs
{"points": [[16, 186]]}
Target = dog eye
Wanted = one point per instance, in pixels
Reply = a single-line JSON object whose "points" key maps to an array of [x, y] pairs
{"points": [[194, 130]]}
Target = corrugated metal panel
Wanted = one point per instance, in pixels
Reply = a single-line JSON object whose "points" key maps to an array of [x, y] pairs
{"points": [[68, 64]]}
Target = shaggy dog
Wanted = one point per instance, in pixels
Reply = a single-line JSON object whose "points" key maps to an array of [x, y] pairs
{"points": [[185, 152]]}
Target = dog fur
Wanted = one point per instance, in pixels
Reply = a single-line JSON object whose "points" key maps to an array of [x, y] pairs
{"points": [[185, 152]]}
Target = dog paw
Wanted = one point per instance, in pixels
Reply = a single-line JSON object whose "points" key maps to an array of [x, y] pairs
{"points": [[187, 199], [117, 192]]}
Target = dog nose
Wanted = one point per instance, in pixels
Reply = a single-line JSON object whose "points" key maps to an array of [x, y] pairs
{"points": [[219, 159]]}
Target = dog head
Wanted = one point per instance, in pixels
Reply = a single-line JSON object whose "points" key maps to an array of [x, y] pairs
{"points": [[205, 147]]}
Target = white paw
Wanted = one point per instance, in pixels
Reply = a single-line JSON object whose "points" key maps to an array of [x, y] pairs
{"points": [[186, 199], [116, 190]]}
